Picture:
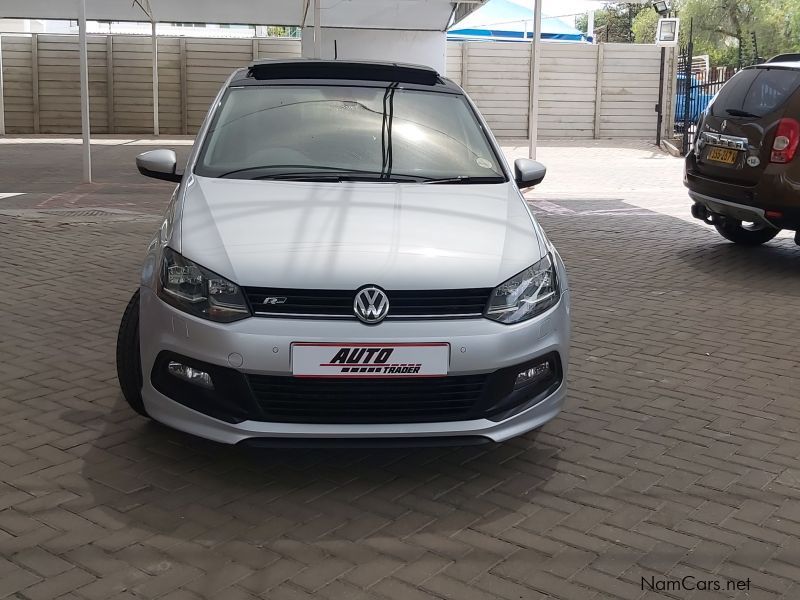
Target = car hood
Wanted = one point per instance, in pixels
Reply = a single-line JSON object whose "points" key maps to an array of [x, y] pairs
{"points": [[345, 235]]}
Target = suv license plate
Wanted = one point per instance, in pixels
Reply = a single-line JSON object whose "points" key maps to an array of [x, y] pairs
{"points": [[370, 360], [722, 155]]}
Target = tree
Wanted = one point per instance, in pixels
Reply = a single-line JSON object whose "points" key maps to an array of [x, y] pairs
{"points": [[613, 22], [280, 31], [645, 25], [723, 29]]}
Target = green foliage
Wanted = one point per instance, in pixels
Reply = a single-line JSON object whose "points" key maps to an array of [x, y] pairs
{"points": [[614, 22], [645, 25], [281, 31], [719, 26]]}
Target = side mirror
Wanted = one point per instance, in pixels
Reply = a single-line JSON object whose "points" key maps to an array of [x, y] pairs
{"points": [[159, 164], [528, 172]]}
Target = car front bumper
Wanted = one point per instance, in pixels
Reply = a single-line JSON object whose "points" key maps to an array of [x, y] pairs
{"points": [[262, 347]]}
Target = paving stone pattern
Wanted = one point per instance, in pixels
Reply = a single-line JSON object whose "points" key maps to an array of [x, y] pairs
{"points": [[677, 454]]}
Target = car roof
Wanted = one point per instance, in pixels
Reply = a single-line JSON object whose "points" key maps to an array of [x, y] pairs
{"points": [[342, 72], [785, 57], [788, 64]]}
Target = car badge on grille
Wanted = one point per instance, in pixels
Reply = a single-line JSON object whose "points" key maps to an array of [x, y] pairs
{"points": [[724, 125], [371, 304]]}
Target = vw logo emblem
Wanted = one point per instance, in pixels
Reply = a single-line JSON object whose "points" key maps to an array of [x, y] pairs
{"points": [[371, 304]]}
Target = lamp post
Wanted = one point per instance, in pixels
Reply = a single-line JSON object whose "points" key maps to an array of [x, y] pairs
{"points": [[661, 7]]}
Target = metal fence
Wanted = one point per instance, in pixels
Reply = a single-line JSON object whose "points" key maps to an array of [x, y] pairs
{"points": [[693, 94], [697, 85]]}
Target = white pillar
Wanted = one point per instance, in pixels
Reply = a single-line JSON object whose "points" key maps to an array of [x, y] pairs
{"points": [[533, 92], [84, 68], [2, 101], [317, 30], [590, 25], [154, 41]]}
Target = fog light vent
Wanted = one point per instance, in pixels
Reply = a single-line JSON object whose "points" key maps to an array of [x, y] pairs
{"points": [[535, 374], [190, 374]]}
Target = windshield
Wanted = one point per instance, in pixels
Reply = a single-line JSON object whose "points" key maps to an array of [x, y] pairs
{"points": [[755, 92], [319, 132]]}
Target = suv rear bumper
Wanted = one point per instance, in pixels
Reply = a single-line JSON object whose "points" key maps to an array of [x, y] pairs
{"points": [[772, 201], [714, 188], [733, 210]]}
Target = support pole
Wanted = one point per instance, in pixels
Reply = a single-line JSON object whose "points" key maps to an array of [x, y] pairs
{"points": [[110, 81], [533, 91], [590, 26], [154, 41], [184, 88], [317, 30], [84, 67], [37, 109], [2, 91], [660, 105], [598, 90]]}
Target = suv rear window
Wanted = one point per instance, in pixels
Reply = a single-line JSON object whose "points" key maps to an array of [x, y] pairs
{"points": [[757, 91]]}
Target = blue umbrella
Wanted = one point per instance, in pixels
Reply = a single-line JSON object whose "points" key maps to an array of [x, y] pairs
{"points": [[505, 20]]}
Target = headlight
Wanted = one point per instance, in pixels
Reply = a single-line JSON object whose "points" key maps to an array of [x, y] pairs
{"points": [[198, 291], [525, 295]]}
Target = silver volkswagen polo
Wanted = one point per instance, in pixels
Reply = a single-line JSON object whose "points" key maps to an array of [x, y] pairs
{"points": [[347, 258]]}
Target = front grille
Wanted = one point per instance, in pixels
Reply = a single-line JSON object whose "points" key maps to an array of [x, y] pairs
{"points": [[297, 400], [338, 304]]}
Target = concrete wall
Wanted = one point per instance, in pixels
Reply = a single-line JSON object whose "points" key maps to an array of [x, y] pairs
{"points": [[41, 80], [587, 91]]}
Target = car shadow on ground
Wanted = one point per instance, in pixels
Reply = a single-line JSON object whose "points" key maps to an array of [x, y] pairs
{"points": [[152, 480], [776, 263]]}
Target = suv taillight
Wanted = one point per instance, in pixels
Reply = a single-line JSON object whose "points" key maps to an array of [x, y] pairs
{"points": [[786, 139]]}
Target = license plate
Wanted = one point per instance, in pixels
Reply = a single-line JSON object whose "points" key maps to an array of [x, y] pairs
{"points": [[370, 360], [722, 155]]}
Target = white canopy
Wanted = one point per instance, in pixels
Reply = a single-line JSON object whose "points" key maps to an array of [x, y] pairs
{"points": [[430, 15]]}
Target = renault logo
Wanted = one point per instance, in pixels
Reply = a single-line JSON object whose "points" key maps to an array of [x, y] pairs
{"points": [[724, 124], [371, 304]]}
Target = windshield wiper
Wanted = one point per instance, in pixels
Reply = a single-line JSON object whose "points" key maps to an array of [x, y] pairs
{"points": [[466, 179], [339, 177], [735, 112], [320, 170]]}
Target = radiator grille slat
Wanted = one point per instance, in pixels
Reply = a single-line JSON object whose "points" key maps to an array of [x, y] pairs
{"points": [[285, 302], [298, 400]]}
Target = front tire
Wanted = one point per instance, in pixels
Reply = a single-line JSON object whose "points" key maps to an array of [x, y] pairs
{"points": [[129, 362], [750, 234]]}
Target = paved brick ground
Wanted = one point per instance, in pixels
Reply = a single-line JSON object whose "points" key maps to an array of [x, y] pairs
{"points": [[677, 454]]}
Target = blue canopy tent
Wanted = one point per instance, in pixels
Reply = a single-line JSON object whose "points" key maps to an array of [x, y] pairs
{"points": [[505, 20]]}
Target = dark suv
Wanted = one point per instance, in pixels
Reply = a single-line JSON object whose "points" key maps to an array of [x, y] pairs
{"points": [[743, 172]]}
